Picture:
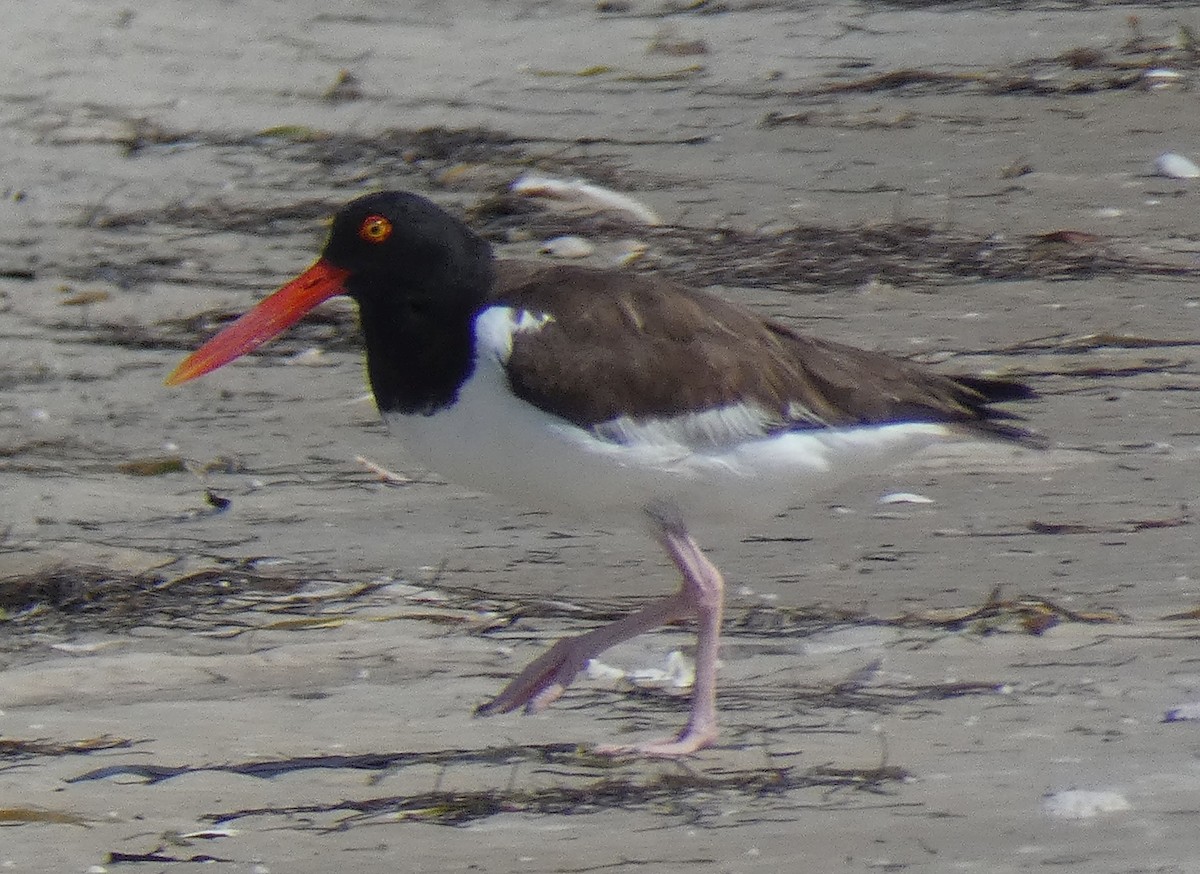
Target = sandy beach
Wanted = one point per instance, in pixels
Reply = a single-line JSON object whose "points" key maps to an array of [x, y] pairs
{"points": [[226, 641]]}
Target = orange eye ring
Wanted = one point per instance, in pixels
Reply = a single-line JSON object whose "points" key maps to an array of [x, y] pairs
{"points": [[375, 229]]}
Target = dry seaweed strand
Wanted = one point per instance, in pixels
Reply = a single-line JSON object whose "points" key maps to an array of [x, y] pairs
{"points": [[16, 748], [65, 600], [683, 792]]}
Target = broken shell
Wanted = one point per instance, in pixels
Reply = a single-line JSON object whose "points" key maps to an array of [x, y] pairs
{"points": [[567, 247], [1176, 166], [1183, 713], [631, 251], [310, 357], [581, 195], [1161, 77], [905, 498], [1083, 803]]}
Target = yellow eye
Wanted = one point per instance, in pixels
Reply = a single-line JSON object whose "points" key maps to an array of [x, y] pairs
{"points": [[375, 229]]}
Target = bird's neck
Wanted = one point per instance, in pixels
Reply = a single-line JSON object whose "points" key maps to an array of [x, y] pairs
{"points": [[417, 362]]}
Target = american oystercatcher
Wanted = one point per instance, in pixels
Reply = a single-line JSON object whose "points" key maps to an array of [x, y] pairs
{"points": [[611, 396]]}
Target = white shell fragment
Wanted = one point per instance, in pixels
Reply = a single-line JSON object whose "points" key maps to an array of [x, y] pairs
{"points": [[905, 498], [598, 670], [580, 194], [1176, 166], [1083, 803], [1183, 713], [310, 357], [210, 834], [567, 247], [678, 673], [1162, 77], [631, 251], [87, 648]]}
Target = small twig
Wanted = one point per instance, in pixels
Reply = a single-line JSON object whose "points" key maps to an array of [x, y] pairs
{"points": [[384, 475]]}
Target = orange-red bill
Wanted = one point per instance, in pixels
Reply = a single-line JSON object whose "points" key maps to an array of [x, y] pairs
{"points": [[270, 318]]}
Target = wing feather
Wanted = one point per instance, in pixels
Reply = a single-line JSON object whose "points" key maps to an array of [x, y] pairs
{"points": [[647, 353]]}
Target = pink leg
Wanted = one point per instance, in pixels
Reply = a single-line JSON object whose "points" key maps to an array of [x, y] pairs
{"points": [[701, 594]]}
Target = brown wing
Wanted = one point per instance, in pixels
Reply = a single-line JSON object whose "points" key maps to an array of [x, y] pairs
{"points": [[643, 348]]}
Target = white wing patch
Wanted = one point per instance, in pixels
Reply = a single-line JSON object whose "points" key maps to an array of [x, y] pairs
{"points": [[495, 328], [722, 426], [710, 429]]}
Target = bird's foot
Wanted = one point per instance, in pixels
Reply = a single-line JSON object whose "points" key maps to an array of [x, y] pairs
{"points": [[691, 740], [542, 682]]}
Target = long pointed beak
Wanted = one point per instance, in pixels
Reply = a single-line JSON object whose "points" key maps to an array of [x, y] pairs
{"points": [[269, 319]]}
